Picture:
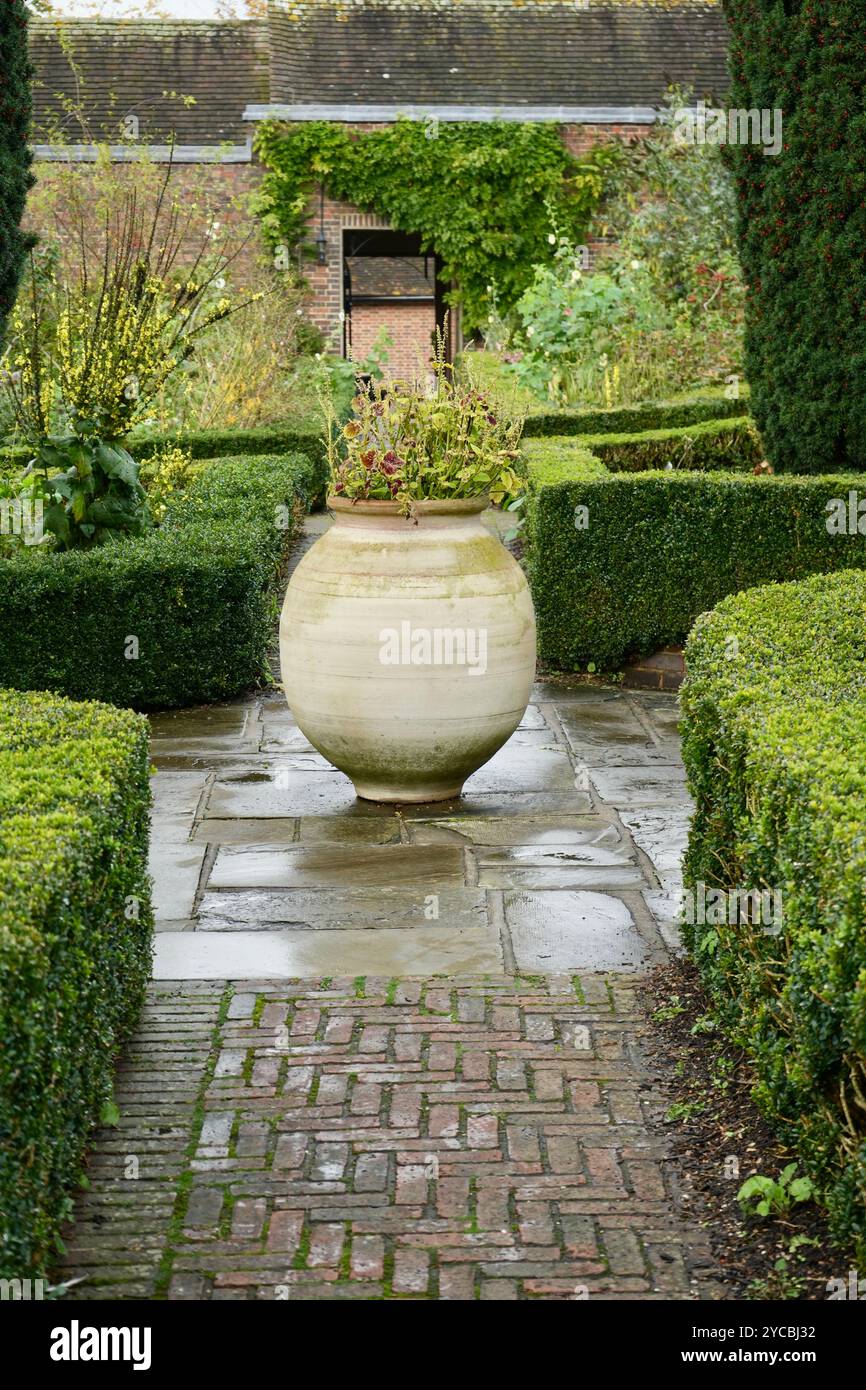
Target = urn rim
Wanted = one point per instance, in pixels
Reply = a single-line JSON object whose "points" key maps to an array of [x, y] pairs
{"points": [[428, 506]]}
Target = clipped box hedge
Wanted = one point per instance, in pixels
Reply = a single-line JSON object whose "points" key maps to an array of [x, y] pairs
{"points": [[774, 709], [710, 404], [211, 444], [181, 616], [75, 946], [661, 547], [714, 444]]}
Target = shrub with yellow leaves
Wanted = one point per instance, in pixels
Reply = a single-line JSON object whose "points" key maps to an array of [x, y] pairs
{"points": [[164, 475]]}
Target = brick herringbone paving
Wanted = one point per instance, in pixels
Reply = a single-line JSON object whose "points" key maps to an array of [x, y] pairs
{"points": [[368, 1139]]}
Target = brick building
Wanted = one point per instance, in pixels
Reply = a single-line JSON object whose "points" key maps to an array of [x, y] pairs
{"points": [[595, 70]]}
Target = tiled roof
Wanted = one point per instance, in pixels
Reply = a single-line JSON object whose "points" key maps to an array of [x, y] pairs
{"points": [[481, 53], [188, 79], [391, 277], [194, 80]]}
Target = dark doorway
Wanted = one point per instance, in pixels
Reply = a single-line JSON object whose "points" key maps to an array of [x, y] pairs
{"points": [[385, 272]]}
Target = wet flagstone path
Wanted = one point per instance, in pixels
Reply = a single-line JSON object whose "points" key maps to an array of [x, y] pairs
{"points": [[556, 858], [400, 1054]]}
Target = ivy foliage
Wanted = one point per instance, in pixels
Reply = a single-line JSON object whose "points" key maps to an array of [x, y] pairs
{"points": [[486, 196]]}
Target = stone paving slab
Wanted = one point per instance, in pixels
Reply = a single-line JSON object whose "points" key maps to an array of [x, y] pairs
{"points": [[287, 830], [541, 878], [608, 733], [642, 786], [273, 840], [559, 930], [337, 866], [281, 954], [517, 833], [177, 870], [423, 1139], [661, 834], [335, 909]]}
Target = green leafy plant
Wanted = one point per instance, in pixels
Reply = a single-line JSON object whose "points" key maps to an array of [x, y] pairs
{"points": [[681, 411], [95, 495], [202, 587], [672, 205], [332, 382], [684, 1110], [566, 321], [74, 957], [611, 590], [667, 1012], [662, 308], [405, 443], [763, 1196], [242, 372], [781, 1283], [91, 350]]}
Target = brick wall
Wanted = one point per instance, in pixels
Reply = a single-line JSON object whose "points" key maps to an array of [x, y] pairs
{"points": [[326, 281], [410, 325], [581, 138], [218, 191]]}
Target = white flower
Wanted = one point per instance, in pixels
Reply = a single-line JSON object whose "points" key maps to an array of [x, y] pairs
{"points": [[220, 283], [575, 276], [530, 330], [635, 265], [552, 239]]}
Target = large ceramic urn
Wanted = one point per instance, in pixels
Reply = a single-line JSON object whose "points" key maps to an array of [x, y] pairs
{"points": [[407, 646]]}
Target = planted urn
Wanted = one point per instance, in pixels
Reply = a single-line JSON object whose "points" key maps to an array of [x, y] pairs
{"points": [[407, 638]]}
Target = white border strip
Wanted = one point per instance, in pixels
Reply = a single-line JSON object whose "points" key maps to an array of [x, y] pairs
{"points": [[563, 115], [162, 154]]}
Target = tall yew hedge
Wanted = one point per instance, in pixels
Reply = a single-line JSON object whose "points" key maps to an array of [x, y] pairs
{"points": [[15, 157], [802, 220]]}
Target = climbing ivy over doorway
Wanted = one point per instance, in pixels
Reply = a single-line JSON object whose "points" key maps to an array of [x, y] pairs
{"points": [[486, 196]]}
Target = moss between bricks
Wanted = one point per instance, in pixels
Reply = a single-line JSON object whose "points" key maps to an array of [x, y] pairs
{"points": [[184, 1184]]}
